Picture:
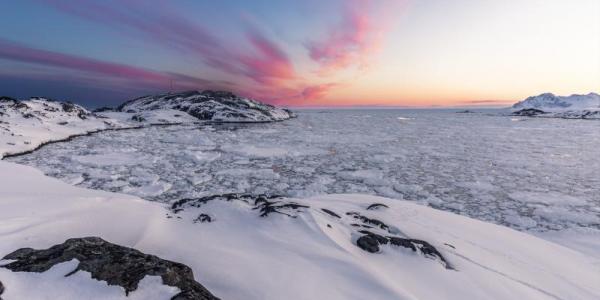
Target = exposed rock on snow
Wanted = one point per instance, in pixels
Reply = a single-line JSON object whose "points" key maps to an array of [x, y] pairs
{"points": [[243, 256], [375, 206], [528, 112], [214, 106], [370, 242], [117, 265], [262, 203], [566, 107]]}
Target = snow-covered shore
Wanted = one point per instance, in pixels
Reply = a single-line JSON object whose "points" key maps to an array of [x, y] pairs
{"points": [[243, 256]]}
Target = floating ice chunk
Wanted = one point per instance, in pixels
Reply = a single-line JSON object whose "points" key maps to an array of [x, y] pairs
{"points": [[109, 159]]}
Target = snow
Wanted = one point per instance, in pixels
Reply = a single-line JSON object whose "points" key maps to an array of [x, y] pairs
{"points": [[26, 124], [282, 257]]}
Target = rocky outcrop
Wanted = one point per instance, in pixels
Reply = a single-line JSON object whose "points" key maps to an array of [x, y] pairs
{"points": [[117, 265], [373, 232], [265, 204], [528, 112], [213, 106], [370, 242]]}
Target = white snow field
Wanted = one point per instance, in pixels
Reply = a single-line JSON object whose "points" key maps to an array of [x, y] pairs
{"points": [[243, 256]]}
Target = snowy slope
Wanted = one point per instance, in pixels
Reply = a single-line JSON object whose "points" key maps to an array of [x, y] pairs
{"points": [[213, 106], [240, 255], [568, 107], [26, 124]]}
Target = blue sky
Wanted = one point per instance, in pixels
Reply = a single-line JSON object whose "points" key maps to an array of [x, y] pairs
{"points": [[301, 53]]}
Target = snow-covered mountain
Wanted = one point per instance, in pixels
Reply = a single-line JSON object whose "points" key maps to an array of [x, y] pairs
{"points": [[551, 102], [263, 247], [567, 107], [215, 106]]}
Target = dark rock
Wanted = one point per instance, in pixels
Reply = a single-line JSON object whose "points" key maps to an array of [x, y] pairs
{"points": [[21, 105], [368, 220], [198, 202], [138, 118], [465, 112], [268, 207], [203, 218], [528, 112], [376, 206], [7, 99], [380, 239], [263, 203], [63, 123], [117, 265], [368, 243], [421, 246], [104, 109], [68, 107], [329, 212], [1, 289]]}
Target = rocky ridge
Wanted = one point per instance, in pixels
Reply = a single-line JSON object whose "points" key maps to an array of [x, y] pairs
{"points": [[214, 106]]}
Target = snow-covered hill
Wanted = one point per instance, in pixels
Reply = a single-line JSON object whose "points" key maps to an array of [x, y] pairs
{"points": [[215, 106], [568, 107], [261, 248], [551, 102], [26, 124]]}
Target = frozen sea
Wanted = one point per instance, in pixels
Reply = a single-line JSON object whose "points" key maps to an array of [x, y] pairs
{"points": [[530, 174]]}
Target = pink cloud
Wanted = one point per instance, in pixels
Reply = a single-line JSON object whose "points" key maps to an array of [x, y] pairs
{"points": [[270, 62], [160, 23], [317, 91], [351, 41], [264, 63]]}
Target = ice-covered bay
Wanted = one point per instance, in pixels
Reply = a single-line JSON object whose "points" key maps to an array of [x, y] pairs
{"points": [[529, 174]]}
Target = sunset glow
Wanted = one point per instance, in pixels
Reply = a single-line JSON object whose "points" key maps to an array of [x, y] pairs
{"points": [[302, 53]]}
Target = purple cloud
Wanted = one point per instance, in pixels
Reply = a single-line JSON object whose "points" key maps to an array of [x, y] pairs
{"points": [[17, 52]]}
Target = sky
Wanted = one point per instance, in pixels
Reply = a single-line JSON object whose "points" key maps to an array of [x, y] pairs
{"points": [[310, 53]]}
